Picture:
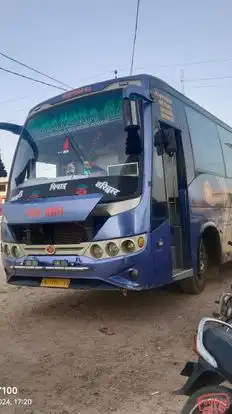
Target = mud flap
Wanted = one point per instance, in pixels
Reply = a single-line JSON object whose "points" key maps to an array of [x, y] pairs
{"points": [[199, 375]]}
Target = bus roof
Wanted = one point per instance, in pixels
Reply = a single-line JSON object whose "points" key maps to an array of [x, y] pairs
{"points": [[150, 81]]}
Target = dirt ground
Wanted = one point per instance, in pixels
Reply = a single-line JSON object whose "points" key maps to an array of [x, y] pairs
{"points": [[53, 350]]}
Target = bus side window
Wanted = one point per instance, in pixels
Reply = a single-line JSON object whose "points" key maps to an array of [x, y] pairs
{"points": [[207, 150], [186, 141], [226, 143], [159, 201]]}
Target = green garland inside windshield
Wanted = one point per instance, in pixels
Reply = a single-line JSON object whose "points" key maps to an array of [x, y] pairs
{"points": [[76, 115]]}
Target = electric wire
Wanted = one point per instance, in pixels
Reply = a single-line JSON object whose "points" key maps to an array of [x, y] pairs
{"points": [[34, 70], [135, 37], [32, 79]]}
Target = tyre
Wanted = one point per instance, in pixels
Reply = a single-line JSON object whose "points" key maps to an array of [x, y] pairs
{"points": [[209, 400], [196, 284]]}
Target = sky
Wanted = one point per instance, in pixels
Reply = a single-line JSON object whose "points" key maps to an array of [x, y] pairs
{"points": [[82, 42]]}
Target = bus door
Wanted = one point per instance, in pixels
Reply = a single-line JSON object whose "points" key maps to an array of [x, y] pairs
{"points": [[176, 197]]}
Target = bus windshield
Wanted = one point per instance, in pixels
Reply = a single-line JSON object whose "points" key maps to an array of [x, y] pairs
{"points": [[80, 139]]}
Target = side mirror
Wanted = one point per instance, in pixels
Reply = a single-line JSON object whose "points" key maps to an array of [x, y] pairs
{"points": [[170, 141], [165, 141], [14, 128], [159, 142], [131, 114], [133, 96]]}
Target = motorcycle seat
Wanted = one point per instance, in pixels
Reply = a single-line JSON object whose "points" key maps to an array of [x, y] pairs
{"points": [[218, 342]]}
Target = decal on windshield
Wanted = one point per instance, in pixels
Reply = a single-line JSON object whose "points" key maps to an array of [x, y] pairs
{"points": [[87, 168], [82, 189], [58, 186], [66, 146], [17, 196], [35, 194], [107, 188], [70, 169], [102, 112]]}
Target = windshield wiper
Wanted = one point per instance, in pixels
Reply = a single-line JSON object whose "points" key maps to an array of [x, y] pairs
{"points": [[69, 135]]}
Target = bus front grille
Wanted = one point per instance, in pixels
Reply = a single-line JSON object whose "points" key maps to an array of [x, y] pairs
{"points": [[72, 233], [53, 233]]}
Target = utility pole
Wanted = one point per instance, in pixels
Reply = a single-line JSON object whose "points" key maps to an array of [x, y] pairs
{"points": [[182, 84]]}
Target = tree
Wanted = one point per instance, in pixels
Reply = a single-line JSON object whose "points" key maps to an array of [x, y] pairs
{"points": [[3, 172]]}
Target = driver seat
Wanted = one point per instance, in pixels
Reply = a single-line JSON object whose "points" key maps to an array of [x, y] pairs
{"points": [[218, 342]]}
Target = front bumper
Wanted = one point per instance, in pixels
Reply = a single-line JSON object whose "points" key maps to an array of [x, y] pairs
{"points": [[84, 273]]}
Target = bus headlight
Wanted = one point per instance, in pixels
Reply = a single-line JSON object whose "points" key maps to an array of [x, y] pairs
{"points": [[112, 249], [96, 251], [128, 246], [15, 251], [141, 242], [6, 250]]}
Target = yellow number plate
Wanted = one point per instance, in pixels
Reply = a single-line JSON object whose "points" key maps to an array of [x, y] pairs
{"points": [[55, 283]]}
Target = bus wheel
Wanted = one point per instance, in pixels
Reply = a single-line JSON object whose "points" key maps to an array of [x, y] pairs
{"points": [[196, 284]]}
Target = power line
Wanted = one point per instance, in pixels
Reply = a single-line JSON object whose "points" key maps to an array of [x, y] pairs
{"points": [[211, 86], [208, 79], [106, 73], [13, 100], [198, 62], [20, 98], [135, 36], [34, 70], [32, 79], [80, 81]]}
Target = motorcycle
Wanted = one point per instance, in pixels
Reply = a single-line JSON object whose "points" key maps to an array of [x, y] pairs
{"points": [[213, 346], [225, 308]]}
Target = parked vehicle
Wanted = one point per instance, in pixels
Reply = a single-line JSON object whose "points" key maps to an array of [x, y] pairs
{"points": [[225, 308], [115, 178], [213, 345]]}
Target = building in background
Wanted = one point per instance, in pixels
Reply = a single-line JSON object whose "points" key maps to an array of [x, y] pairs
{"points": [[3, 190], [3, 184]]}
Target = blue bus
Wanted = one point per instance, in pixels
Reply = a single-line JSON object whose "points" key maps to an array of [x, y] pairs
{"points": [[124, 184]]}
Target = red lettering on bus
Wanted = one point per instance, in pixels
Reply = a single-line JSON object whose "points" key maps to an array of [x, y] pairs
{"points": [[76, 92], [33, 212], [54, 211]]}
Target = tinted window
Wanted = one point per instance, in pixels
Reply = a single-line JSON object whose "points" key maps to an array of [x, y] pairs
{"points": [[80, 139], [226, 141], [188, 155], [159, 203], [205, 142]]}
